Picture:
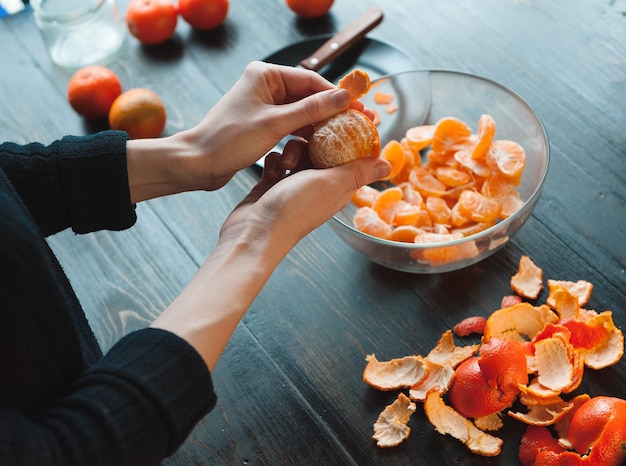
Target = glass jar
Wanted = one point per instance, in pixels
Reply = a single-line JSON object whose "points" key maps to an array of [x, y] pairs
{"points": [[78, 33]]}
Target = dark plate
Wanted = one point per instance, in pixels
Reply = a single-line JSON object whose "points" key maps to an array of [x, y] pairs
{"points": [[373, 56]]}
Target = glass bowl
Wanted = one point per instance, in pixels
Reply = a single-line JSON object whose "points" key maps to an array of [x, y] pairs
{"points": [[422, 98]]}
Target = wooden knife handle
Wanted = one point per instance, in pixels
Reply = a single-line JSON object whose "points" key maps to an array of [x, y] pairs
{"points": [[343, 40]]}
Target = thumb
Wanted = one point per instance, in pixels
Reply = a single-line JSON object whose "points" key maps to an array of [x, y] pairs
{"points": [[316, 107], [364, 171]]}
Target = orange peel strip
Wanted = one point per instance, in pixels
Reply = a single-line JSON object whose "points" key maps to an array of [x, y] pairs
{"points": [[391, 429], [447, 352], [447, 421], [395, 373], [528, 281], [439, 379], [562, 425], [555, 359], [522, 319], [357, 82], [581, 289], [491, 423], [545, 414], [611, 350]]}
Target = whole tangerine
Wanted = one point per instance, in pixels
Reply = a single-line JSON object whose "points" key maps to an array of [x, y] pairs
{"points": [[151, 21], [342, 138], [310, 9], [140, 112], [91, 91], [204, 14]]}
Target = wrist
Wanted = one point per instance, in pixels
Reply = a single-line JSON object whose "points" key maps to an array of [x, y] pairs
{"points": [[157, 167]]}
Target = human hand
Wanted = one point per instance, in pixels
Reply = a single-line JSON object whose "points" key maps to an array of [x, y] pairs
{"points": [[291, 199], [267, 103]]}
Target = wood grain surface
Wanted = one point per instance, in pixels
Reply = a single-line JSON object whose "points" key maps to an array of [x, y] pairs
{"points": [[290, 383]]}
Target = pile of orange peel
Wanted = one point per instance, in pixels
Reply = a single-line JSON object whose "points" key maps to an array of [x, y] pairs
{"points": [[558, 340]]}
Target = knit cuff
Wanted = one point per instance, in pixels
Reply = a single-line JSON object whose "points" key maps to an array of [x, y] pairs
{"points": [[95, 178]]}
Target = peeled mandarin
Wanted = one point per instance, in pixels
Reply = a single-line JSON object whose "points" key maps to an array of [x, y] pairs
{"points": [[342, 138]]}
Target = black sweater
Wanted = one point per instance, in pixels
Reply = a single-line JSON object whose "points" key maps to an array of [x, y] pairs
{"points": [[61, 401]]}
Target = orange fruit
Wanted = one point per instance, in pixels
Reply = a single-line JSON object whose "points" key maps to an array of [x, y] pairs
{"points": [[140, 112], [383, 98], [471, 394], [537, 439], [309, 8], [203, 14], [405, 213], [452, 177], [438, 210], [342, 138], [367, 221], [151, 21], [387, 202], [486, 132], [478, 207], [419, 137], [600, 425], [91, 91], [357, 83], [508, 157], [365, 196], [404, 234], [504, 362], [395, 155], [450, 133]]}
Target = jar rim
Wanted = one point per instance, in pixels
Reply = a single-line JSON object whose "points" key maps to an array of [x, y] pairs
{"points": [[64, 11]]}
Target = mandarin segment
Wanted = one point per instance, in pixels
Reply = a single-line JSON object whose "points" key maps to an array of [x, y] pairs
{"points": [[508, 157], [395, 155], [450, 133], [387, 202], [486, 132], [367, 221], [365, 196]]}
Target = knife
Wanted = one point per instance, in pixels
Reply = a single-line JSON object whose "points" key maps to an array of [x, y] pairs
{"points": [[332, 48], [343, 40]]}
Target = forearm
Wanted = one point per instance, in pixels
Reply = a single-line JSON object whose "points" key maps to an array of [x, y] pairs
{"points": [[210, 307]]}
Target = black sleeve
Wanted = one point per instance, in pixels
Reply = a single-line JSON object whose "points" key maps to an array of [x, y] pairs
{"points": [[134, 407], [77, 182]]}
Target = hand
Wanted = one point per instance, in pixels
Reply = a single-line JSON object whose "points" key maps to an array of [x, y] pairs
{"points": [[267, 103], [291, 199]]}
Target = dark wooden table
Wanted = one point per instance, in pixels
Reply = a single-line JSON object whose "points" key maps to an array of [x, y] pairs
{"points": [[290, 383]]}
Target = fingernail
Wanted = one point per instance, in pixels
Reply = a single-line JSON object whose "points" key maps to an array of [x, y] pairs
{"points": [[382, 169], [340, 98]]}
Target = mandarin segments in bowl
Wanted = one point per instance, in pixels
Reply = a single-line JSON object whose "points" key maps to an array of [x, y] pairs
{"points": [[456, 142]]}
